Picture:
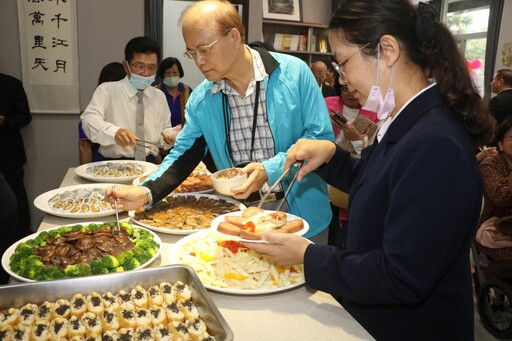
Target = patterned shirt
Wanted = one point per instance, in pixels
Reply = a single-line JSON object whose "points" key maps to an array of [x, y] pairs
{"points": [[497, 195], [242, 115]]}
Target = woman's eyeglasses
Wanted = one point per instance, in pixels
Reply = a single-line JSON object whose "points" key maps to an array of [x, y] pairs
{"points": [[340, 67]]}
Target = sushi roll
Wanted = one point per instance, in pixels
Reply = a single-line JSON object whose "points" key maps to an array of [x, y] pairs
{"points": [[28, 314], [9, 317], [162, 333], [95, 303], [168, 292], [158, 315], [125, 300], [155, 296], [45, 311], [110, 301], [126, 334], [173, 312], [6, 331], [144, 333], [110, 335], [127, 318], [59, 328], [92, 323], [207, 337], [189, 309], [143, 317], [75, 327], [78, 305], [179, 330], [109, 320], [196, 328], [40, 331], [21, 332], [77, 338], [140, 296], [183, 292], [61, 308], [93, 337]]}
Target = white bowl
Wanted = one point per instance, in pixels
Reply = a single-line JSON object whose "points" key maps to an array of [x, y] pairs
{"points": [[223, 185]]}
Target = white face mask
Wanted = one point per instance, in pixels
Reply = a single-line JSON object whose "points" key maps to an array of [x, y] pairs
{"points": [[374, 102], [172, 81], [140, 82]]}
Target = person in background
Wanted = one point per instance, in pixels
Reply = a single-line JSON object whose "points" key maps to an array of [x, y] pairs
{"points": [[330, 77], [129, 118], [357, 133], [501, 104], [415, 193], [9, 221], [88, 151], [496, 176], [170, 72], [14, 115], [319, 69], [251, 108]]}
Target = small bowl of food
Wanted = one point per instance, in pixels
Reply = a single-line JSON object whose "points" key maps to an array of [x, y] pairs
{"points": [[226, 179]]}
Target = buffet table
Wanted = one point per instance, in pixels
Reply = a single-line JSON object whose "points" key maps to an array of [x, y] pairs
{"points": [[296, 314]]}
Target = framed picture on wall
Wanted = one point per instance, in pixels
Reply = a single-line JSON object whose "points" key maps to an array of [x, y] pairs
{"points": [[290, 10]]}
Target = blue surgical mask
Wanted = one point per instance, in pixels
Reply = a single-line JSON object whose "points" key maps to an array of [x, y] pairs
{"points": [[140, 82], [172, 82]]}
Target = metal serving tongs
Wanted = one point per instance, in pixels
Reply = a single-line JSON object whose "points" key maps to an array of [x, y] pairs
{"points": [[278, 181], [117, 228], [144, 143]]}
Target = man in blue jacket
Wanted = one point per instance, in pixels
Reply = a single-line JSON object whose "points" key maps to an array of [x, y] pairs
{"points": [[249, 111]]}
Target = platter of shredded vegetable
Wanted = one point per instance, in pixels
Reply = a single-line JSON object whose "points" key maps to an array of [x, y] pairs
{"points": [[227, 266]]}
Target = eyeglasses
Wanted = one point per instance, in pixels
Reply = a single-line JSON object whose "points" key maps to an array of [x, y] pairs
{"points": [[202, 50], [340, 67], [141, 68]]}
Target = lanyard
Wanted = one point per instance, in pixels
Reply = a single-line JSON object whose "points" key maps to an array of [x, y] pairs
{"points": [[227, 122]]}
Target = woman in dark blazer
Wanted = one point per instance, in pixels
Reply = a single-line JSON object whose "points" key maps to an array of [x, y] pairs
{"points": [[415, 195]]}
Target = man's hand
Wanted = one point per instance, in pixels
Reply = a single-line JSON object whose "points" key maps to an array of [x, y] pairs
{"points": [[256, 180], [125, 137]]}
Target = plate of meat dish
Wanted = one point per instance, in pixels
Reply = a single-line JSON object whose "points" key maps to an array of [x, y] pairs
{"points": [[80, 250], [81, 201], [247, 225], [184, 214], [118, 171], [199, 181]]}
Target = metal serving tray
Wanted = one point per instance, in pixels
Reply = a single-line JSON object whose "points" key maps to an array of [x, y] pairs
{"points": [[19, 294]]}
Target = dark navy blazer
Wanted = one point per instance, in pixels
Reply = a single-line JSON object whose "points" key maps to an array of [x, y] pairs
{"points": [[415, 200]]}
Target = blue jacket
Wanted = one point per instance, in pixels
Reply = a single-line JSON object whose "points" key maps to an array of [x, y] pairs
{"points": [[415, 200], [295, 109]]}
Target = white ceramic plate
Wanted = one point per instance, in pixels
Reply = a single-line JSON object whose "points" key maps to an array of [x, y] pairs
{"points": [[167, 230], [9, 252], [219, 219], [41, 202], [148, 168], [174, 258]]}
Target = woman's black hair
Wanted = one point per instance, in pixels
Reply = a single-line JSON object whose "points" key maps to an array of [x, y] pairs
{"points": [[111, 72], [427, 43], [168, 63], [502, 129]]}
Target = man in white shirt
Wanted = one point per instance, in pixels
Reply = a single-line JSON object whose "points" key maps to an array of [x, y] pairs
{"points": [[123, 114]]}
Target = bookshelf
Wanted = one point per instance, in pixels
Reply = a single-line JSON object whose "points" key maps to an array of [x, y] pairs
{"points": [[307, 41]]}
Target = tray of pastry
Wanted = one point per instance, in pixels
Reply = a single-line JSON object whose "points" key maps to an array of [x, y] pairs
{"points": [[142, 304]]}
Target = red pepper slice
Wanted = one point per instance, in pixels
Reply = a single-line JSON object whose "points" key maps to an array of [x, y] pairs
{"points": [[249, 226]]}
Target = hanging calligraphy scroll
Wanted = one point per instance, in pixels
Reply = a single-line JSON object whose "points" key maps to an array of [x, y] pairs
{"points": [[49, 53]]}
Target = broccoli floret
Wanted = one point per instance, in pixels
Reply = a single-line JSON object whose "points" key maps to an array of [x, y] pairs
{"points": [[30, 267], [40, 240], [124, 256], [50, 273], [97, 267], [23, 250], [118, 269], [78, 270], [141, 234], [59, 232], [128, 227], [109, 262], [131, 263], [142, 255]]}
